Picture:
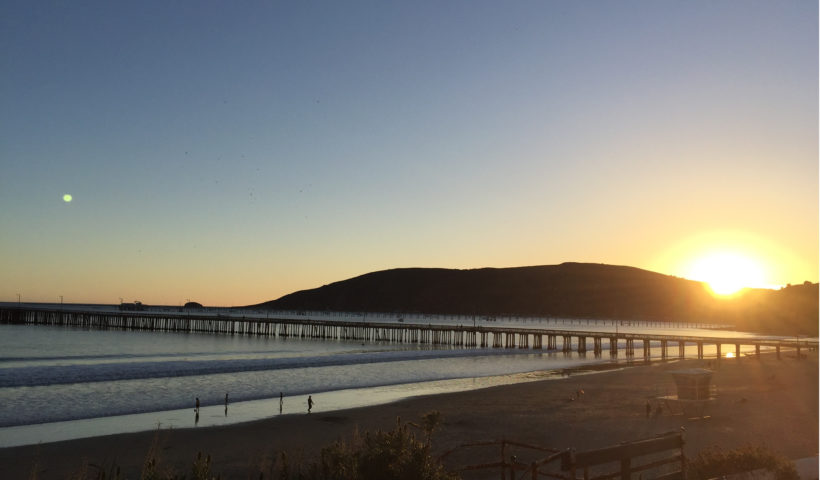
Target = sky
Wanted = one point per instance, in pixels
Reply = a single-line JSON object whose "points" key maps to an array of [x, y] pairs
{"points": [[233, 152]]}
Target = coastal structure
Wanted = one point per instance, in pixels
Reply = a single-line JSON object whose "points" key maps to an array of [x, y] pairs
{"points": [[694, 392], [469, 336]]}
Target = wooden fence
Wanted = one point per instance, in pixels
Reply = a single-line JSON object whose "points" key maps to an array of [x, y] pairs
{"points": [[660, 457]]}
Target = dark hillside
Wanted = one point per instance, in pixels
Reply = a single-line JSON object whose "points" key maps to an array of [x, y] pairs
{"points": [[792, 310], [566, 290]]}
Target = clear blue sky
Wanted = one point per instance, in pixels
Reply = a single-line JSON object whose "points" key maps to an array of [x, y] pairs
{"points": [[233, 152]]}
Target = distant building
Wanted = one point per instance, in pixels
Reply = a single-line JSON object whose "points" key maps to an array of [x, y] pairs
{"points": [[137, 306]]}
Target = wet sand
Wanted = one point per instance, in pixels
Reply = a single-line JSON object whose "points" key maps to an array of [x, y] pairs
{"points": [[761, 401]]}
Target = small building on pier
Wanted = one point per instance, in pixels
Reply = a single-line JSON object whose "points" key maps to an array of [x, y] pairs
{"points": [[137, 306]]}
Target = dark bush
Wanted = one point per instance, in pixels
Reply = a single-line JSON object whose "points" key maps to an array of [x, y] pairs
{"points": [[716, 462], [393, 455]]}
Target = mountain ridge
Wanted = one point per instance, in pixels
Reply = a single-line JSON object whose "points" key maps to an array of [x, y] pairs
{"points": [[571, 289]]}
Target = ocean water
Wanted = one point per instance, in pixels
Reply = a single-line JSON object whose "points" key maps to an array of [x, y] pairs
{"points": [[62, 382]]}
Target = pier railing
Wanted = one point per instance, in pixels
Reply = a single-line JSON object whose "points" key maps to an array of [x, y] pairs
{"points": [[469, 336]]}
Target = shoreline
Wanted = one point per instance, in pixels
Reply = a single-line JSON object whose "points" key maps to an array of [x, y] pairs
{"points": [[267, 408], [762, 401]]}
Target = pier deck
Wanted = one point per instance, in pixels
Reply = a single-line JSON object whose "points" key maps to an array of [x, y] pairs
{"points": [[467, 336]]}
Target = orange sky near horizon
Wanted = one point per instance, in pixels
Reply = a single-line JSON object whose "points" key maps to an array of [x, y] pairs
{"points": [[218, 284]]}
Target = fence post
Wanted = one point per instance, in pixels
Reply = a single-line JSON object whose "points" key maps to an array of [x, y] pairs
{"points": [[571, 461], [626, 474], [503, 460]]}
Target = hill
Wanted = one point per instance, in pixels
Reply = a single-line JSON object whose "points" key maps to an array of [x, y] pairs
{"points": [[576, 290]]}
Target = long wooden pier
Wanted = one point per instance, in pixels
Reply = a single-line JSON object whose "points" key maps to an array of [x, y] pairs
{"points": [[476, 336]]}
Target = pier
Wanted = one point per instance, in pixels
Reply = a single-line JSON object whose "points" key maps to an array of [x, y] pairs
{"points": [[631, 345]]}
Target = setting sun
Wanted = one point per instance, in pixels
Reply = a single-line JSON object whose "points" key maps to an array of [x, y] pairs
{"points": [[728, 261], [727, 272]]}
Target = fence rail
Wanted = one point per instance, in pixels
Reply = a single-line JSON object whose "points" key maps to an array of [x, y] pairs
{"points": [[661, 456]]}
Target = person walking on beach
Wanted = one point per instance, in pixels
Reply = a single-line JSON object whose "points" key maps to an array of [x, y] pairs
{"points": [[281, 401], [197, 406], [310, 403]]}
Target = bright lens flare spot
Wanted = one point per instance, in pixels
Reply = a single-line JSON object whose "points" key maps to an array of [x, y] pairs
{"points": [[730, 354], [67, 198], [727, 273]]}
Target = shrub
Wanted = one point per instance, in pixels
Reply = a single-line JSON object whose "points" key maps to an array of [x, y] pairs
{"points": [[393, 455], [715, 462]]}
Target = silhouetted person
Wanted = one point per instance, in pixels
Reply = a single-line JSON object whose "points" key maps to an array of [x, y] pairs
{"points": [[310, 403], [281, 401], [226, 400], [197, 406]]}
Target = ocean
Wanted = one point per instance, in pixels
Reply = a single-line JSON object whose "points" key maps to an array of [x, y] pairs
{"points": [[60, 383]]}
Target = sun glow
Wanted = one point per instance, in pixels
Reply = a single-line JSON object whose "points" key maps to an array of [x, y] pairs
{"points": [[728, 261], [727, 272]]}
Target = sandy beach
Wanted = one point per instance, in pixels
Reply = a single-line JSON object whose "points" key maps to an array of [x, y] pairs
{"points": [[761, 401]]}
